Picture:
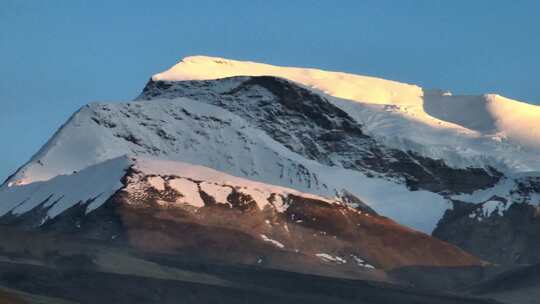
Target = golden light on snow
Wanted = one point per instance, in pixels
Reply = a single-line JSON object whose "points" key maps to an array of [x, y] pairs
{"points": [[509, 118], [515, 119], [342, 85]]}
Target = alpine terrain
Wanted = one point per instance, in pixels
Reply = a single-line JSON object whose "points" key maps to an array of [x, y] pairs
{"points": [[233, 182]]}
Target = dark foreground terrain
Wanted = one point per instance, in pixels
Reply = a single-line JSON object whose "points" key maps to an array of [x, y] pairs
{"points": [[520, 285], [46, 268], [240, 285]]}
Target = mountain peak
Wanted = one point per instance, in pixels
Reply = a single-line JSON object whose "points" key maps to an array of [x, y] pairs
{"points": [[337, 84]]}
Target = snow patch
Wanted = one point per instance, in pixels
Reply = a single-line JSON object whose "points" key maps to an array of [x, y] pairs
{"points": [[218, 192], [361, 263], [189, 190], [330, 258], [279, 203], [156, 182], [274, 242], [489, 207], [260, 196]]}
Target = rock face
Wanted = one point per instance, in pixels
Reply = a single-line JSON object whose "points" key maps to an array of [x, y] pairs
{"points": [[500, 234], [301, 227], [502, 228]]}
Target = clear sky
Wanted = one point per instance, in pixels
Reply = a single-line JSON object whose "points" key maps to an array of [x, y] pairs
{"points": [[58, 55]]}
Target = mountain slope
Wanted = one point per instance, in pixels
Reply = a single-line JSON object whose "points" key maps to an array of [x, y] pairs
{"points": [[177, 208]]}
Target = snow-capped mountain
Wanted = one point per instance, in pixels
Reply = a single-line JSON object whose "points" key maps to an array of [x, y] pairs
{"points": [[336, 156], [359, 144]]}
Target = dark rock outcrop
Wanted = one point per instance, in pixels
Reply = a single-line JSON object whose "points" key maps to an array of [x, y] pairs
{"points": [[505, 237]]}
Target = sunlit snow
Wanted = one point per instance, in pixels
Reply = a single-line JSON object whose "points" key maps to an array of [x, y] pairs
{"points": [[464, 130]]}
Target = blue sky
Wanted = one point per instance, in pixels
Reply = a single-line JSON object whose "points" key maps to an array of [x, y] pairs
{"points": [[58, 55]]}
